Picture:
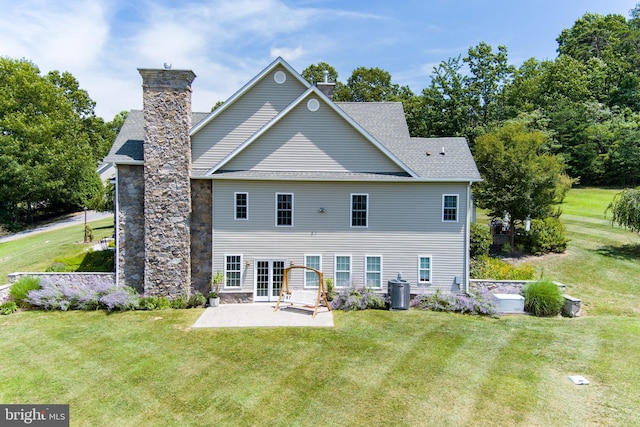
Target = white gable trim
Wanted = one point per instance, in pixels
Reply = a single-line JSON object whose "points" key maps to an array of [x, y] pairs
{"points": [[312, 90], [247, 87]]}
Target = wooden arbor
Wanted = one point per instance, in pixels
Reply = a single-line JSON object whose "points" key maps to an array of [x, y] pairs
{"points": [[309, 299]]}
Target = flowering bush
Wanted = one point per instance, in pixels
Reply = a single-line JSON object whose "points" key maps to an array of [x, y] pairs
{"points": [[70, 296], [475, 302], [486, 267], [354, 298]]}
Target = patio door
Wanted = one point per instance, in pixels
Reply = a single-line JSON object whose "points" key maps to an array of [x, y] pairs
{"points": [[268, 277]]}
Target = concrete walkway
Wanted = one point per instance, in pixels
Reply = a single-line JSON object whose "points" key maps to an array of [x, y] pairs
{"points": [[262, 315]]}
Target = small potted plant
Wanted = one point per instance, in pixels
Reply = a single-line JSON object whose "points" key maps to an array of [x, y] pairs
{"points": [[214, 295]]}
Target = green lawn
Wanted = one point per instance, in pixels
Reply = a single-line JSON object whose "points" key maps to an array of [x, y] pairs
{"points": [[373, 368], [38, 251]]}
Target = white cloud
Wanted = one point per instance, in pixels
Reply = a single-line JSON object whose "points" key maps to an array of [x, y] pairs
{"points": [[60, 35], [289, 54]]}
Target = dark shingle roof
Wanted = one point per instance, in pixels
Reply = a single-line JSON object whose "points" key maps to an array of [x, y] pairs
{"points": [[127, 147], [385, 121]]}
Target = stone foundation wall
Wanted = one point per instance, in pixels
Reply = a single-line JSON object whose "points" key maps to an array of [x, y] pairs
{"points": [[236, 298], [201, 235], [130, 237]]}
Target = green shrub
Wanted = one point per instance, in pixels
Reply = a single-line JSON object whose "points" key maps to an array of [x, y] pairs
{"points": [[196, 300], [163, 303], [486, 267], [148, 303], [179, 302], [20, 290], [543, 298], [547, 235], [481, 240], [155, 303], [8, 307]]}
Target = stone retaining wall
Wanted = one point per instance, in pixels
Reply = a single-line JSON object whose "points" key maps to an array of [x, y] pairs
{"points": [[64, 278], [517, 285]]}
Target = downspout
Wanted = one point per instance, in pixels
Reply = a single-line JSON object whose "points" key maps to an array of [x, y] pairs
{"points": [[116, 209], [467, 245]]}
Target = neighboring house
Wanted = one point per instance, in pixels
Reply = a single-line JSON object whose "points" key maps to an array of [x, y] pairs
{"points": [[281, 175]]}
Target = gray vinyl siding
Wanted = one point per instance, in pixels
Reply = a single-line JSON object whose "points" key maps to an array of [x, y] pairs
{"points": [[405, 221], [243, 118], [313, 141]]}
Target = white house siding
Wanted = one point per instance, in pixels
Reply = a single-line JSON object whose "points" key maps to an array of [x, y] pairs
{"points": [[313, 141], [405, 221], [243, 118]]}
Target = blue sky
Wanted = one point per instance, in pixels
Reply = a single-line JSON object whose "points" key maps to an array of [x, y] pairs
{"points": [[103, 42]]}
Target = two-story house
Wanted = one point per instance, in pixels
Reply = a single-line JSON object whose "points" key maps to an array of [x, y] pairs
{"points": [[281, 175]]}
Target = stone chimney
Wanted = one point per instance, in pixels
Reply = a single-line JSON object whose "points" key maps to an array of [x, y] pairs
{"points": [[167, 184], [326, 87]]}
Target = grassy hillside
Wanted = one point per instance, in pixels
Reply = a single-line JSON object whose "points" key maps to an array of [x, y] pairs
{"points": [[601, 265], [38, 251]]}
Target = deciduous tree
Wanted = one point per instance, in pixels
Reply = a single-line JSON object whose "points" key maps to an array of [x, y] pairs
{"points": [[519, 175]]}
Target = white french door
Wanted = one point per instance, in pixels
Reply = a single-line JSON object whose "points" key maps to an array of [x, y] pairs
{"points": [[268, 279]]}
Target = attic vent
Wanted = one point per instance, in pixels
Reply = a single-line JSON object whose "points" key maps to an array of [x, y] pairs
{"points": [[280, 77], [313, 105]]}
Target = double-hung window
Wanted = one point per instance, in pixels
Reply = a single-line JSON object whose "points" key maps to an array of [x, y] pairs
{"points": [[359, 210], [450, 207], [373, 271], [343, 271], [424, 269], [311, 279], [284, 209], [233, 271], [241, 205]]}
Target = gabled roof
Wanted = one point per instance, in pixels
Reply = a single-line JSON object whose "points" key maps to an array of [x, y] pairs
{"points": [[314, 91], [383, 124], [244, 89]]}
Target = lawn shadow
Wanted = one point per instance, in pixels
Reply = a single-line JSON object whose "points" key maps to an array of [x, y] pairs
{"points": [[625, 252], [97, 261]]}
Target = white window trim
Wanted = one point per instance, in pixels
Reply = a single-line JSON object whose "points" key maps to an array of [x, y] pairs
{"points": [[367, 271], [351, 210], [457, 196], [235, 205], [305, 272], [226, 286], [292, 209], [335, 269], [430, 269]]}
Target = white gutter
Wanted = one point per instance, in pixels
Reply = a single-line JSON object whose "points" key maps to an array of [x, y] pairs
{"points": [[467, 245], [116, 208]]}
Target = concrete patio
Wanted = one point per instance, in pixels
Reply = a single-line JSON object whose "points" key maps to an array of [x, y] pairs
{"points": [[262, 315]]}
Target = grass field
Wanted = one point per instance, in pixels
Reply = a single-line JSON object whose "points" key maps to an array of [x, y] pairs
{"points": [[374, 368], [38, 251]]}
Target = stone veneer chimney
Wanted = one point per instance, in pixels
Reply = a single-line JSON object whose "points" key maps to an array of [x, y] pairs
{"points": [[167, 181], [326, 87]]}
